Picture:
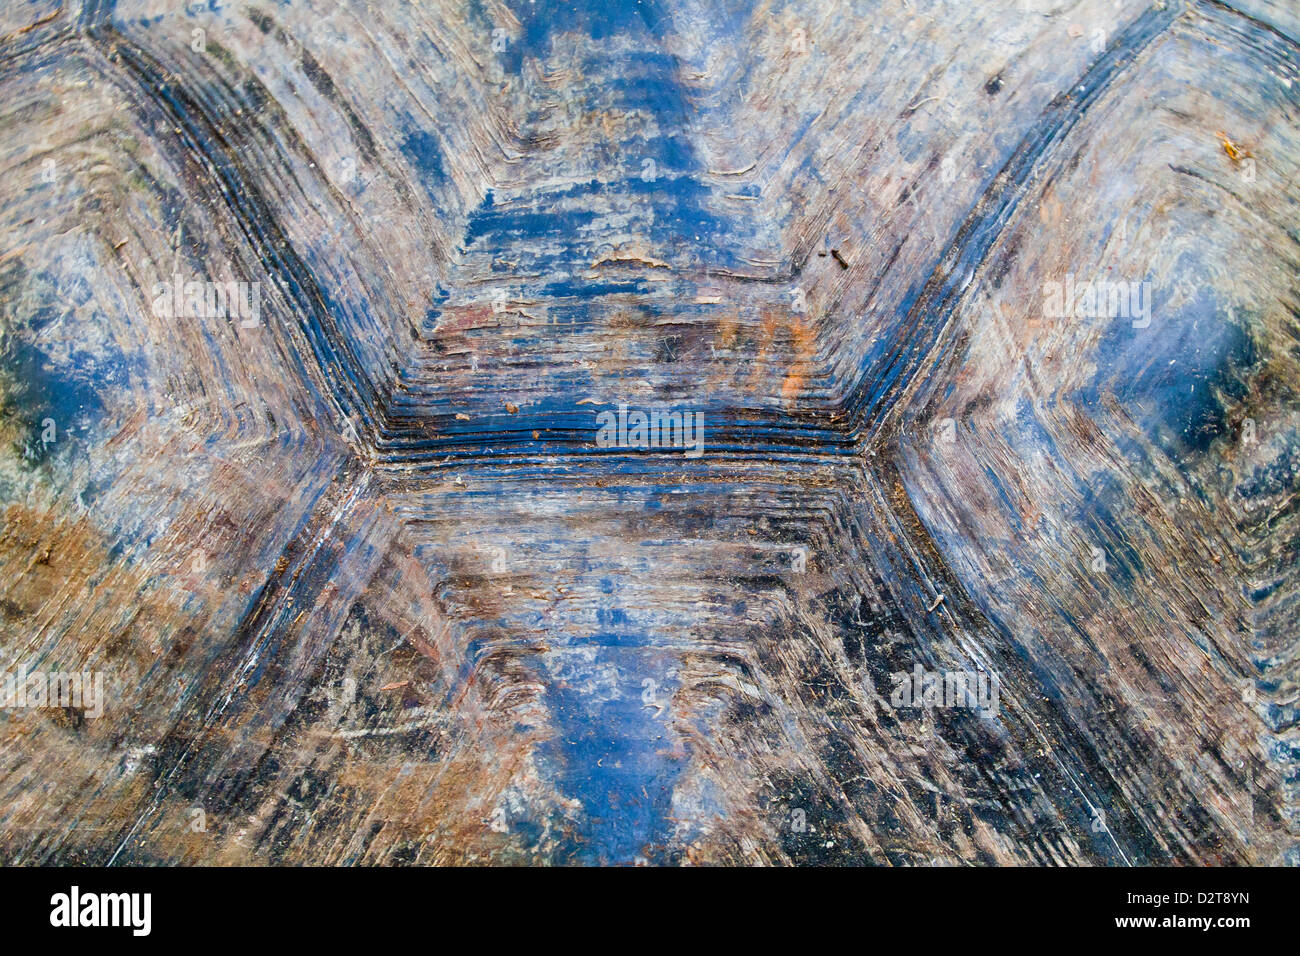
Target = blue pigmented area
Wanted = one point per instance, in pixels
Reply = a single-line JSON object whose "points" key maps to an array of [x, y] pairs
{"points": [[613, 752]]}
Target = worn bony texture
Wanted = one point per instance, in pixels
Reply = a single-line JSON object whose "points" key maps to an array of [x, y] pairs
{"points": [[650, 432]]}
